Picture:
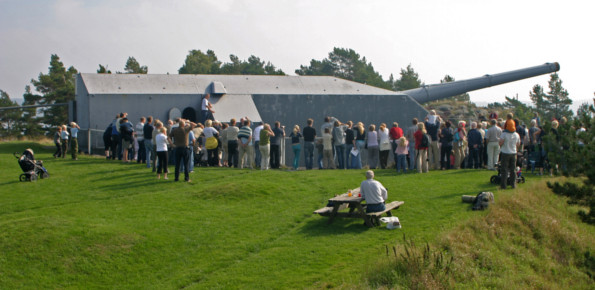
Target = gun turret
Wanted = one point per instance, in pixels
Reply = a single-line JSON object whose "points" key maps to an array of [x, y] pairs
{"points": [[445, 90]]}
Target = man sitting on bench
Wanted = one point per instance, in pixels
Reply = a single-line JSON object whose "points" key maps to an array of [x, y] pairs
{"points": [[373, 192]]}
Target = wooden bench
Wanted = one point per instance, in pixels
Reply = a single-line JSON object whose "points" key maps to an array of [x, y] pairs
{"points": [[326, 211], [375, 216]]}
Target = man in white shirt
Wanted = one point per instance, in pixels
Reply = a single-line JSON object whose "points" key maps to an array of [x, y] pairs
{"points": [[373, 192], [256, 137], [509, 142]]}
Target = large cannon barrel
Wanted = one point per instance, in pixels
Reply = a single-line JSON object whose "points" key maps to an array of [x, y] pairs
{"points": [[445, 90]]}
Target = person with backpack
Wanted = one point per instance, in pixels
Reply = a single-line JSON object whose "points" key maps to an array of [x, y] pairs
{"points": [[422, 143], [446, 138]]}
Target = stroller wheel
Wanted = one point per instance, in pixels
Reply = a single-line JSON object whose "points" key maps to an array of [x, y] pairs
{"points": [[23, 177], [33, 177], [494, 179], [43, 175]]}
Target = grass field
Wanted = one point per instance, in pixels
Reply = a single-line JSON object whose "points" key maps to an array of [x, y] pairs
{"points": [[97, 223]]}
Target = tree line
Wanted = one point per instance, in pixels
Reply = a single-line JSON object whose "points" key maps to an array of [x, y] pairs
{"points": [[57, 86]]}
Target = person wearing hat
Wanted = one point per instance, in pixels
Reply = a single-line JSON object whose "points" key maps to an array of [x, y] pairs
{"points": [[373, 193], [74, 143]]}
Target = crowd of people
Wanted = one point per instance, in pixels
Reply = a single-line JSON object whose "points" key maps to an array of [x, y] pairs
{"points": [[431, 144]]}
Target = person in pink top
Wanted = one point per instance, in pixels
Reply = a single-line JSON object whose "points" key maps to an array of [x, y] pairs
{"points": [[401, 153]]}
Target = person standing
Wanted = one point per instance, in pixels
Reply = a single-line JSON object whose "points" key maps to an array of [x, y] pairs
{"points": [[64, 140], [432, 125], [460, 140], [264, 146], [232, 144], [395, 134], [139, 141], [161, 142], [446, 138], [422, 151], [245, 143], [57, 136], [256, 139], [360, 144], [509, 143], [206, 109], [211, 143], [279, 133], [475, 142], [339, 143], [309, 136], [493, 139], [182, 152], [349, 143], [401, 152], [74, 143], [411, 139], [372, 144], [327, 147], [148, 140], [126, 132], [296, 146], [384, 146]]}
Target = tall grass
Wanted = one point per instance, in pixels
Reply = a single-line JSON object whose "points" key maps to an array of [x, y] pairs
{"points": [[529, 239]]}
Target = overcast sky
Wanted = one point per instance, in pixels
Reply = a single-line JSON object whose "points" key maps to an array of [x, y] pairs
{"points": [[464, 39]]}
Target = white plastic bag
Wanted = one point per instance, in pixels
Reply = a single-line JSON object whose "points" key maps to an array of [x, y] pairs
{"points": [[392, 222]]}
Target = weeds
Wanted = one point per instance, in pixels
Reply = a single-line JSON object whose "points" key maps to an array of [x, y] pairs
{"points": [[420, 267]]}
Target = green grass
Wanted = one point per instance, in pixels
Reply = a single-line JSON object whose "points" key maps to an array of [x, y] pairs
{"points": [[97, 223]]}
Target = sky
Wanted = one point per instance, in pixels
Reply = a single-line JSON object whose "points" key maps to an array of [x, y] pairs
{"points": [[464, 39]]}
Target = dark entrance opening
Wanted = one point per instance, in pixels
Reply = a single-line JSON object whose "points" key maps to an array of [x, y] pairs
{"points": [[189, 114]]}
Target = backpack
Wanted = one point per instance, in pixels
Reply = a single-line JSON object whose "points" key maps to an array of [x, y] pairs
{"points": [[448, 136], [425, 141], [483, 200]]}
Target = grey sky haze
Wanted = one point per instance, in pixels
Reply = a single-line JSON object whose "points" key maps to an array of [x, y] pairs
{"points": [[464, 39]]}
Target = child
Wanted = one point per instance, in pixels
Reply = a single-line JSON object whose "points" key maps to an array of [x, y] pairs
{"points": [[402, 151]]}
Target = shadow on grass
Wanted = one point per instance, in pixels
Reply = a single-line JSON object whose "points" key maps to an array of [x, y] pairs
{"points": [[319, 227]]}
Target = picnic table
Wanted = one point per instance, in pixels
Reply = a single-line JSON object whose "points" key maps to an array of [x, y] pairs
{"points": [[353, 202]]}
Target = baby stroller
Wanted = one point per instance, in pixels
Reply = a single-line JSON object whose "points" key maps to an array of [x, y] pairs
{"points": [[32, 169], [495, 179]]}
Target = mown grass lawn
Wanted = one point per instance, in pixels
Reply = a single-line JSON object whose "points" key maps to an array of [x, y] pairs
{"points": [[97, 223]]}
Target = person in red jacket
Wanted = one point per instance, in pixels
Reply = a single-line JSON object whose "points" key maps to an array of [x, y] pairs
{"points": [[422, 151], [395, 134]]}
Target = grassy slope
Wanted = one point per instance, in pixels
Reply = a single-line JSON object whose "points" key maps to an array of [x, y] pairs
{"points": [[95, 223]]}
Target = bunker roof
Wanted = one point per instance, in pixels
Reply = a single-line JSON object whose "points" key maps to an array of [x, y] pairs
{"points": [[224, 84]]}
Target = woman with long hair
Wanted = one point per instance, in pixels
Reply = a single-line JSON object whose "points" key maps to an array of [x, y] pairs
{"points": [[422, 150], [372, 142], [384, 145], [359, 143], [460, 142], [296, 146]]}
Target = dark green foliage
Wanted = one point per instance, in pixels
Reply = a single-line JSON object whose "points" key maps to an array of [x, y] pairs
{"points": [[576, 160], [199, 63], [103, 70], [254, 66], [346, 64], [409, 80], [133, 67], [55, 87], [10, 125]]}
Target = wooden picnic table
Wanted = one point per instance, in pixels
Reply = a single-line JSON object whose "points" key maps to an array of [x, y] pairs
{"points": [[356, 208]]}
